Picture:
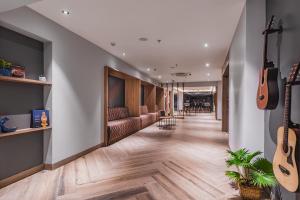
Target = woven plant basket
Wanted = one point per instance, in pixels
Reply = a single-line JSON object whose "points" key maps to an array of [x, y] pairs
{"points": [[250, 192]]}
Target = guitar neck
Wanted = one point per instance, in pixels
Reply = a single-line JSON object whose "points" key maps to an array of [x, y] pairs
{"points": [[265, 61], [287, 113]]}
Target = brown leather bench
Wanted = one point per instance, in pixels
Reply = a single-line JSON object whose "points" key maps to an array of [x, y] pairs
{"points": [[146, 117], [120, 125]]}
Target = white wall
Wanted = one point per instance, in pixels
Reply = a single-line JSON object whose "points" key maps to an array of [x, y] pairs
{"points": [[77, 69], [246, 122]]}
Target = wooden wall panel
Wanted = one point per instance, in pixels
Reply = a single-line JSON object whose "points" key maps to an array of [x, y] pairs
{"points": [[150, 97], [160, 98], [132, 96], [106, 73], [225, 101]]}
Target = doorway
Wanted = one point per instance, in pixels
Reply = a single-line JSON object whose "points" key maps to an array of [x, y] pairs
{"points": [[225, 100]]}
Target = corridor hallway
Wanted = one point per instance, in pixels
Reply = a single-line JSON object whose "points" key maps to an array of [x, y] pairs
{"points": [[186, 163]]}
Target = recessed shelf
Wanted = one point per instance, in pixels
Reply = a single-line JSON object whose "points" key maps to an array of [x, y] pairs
{"points": [[23, 132], [23, 80]]}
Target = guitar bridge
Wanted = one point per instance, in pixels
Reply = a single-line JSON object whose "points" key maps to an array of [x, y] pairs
{"points": [[284, 170]]}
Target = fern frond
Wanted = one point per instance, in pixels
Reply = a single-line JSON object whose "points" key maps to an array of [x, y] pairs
{"points": [[250, 156], [263, 180], [263, 165], [234, 176]]}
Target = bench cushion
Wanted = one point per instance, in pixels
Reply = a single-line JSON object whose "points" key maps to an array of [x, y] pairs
{"points": [[154, 117], [144, 110], [117, 113], [146, 120], [121, 128]]}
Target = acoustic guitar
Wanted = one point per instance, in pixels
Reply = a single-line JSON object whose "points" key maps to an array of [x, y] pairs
{"points": [[268, 92], [284, 162]]}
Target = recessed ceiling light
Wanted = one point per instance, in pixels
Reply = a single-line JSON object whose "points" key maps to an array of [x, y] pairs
{"points": [[207, 65], [124, 54], [205, 45], [143, 39], [65, 12], [208, 74], [148, 69], [159, 76]]}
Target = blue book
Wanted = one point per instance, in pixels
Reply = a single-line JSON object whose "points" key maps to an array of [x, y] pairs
{"points": [[36, 118]]}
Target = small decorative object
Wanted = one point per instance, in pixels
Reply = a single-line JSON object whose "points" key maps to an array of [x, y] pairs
{"points": [[18, 71], [40, 118], [42, 78], [254, 178], [5, 68], [3, 128], [44, 120]]}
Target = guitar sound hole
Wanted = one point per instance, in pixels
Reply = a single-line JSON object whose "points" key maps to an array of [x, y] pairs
{"points": [[284, 170], [261, 97]]}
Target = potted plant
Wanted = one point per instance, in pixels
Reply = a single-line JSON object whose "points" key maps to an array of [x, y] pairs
{"points": [[254, 175], [5, 68]]}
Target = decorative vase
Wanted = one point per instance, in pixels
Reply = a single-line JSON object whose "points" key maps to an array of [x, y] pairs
{"points": [[5, 72], [250, 192]]}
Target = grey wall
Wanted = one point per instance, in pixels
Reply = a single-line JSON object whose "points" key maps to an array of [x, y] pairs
{"points": [[116, 92], [76, 69], [284, 51], [18, 100], [246, 122], [142, 98]]}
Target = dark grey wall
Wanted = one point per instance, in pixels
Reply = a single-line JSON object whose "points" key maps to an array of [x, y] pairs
{"points": [[284, 50], [116, 92], [142, 95], [23, 152]]}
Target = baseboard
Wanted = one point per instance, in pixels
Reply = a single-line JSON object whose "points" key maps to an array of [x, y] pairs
{"points": [[21, 175], [71, 158]]}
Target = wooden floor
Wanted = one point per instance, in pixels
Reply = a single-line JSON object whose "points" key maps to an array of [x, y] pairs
{"points": [[186, 163]]}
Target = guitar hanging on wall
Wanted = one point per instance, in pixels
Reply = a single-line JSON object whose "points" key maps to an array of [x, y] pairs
{"points": [[268, 92], [284, 162]]}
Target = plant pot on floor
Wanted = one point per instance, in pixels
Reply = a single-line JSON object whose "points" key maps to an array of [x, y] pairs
{"points": [[250, 192], [5, 72]]}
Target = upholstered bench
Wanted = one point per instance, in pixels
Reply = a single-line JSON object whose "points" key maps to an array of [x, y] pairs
{"points": [[120, 124], [146, 117]]}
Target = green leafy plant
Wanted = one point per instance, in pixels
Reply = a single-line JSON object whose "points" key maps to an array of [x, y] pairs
{"points": [[251, 169], [5, 64]]}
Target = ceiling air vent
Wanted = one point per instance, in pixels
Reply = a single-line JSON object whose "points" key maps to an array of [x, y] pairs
{"points": [[181, 74]]}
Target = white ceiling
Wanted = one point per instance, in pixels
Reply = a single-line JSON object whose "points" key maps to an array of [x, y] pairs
{"points": [[6, 5], [183, 26]]}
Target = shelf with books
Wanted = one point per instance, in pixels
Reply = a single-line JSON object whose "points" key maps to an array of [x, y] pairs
{"points": [[24, 80], [23, 132]]}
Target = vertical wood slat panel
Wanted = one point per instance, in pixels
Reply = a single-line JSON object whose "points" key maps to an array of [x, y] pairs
{"points": [[160, 98], [132, 96], [150, 97]]}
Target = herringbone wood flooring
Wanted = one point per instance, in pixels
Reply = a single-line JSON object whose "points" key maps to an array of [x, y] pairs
{"points": [[186, 163]]}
